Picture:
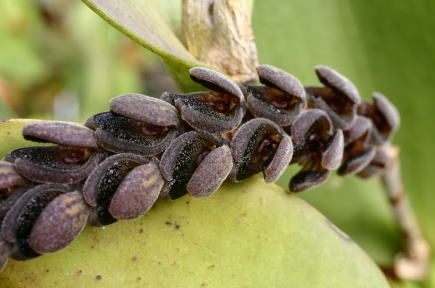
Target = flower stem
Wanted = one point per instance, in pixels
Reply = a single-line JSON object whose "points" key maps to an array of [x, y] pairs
{"points": [[413, 262]]}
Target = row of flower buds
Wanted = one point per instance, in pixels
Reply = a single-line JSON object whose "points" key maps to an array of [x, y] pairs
{"points": [[120, 162]]}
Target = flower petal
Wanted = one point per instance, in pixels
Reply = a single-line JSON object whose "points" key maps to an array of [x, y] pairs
{"points": [[5, 251], [48, 165], [9, 177], [307, 179], [215, 81], [104, 181], [254, 146], [59, 223], [198, 110], [274, 77], [361, 128], [211, 172], [313, 121], [280, 161], [337, 82], [333, 154], [62, 133], [120, 134], [137, 192], [18, 222], [146, 109], [357, 163], [182, 158], [378, 165]]}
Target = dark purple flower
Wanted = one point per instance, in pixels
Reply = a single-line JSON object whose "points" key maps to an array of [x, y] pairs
{"points": [[317, 148]]}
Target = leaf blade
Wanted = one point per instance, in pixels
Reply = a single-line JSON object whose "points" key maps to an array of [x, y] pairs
{"points": [[10, 135], [249, 234], [364, 42], [139, 21]]}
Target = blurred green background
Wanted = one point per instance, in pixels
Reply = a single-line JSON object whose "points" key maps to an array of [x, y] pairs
{"points": [[60, 60]]}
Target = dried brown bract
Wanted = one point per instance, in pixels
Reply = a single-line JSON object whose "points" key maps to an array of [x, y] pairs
{"points": [[195, 163], [70, 161], [384, 115], [280, 100], [123, 186], [339, 97], [357, 152], [219, 110], [260, 145], [44, 219], [318, 149]]}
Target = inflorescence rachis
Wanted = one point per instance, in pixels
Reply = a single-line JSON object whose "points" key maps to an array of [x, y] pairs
{"points": [[120, 162]]}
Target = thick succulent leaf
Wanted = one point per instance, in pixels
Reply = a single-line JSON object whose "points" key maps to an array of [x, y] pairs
{"points": [[141, 22], [369, 42], [220, 241], [11, 137], [193, 233]]}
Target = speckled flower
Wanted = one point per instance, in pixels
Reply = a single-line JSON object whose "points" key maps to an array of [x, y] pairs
{"points": [[218, 110], [317, 148]]}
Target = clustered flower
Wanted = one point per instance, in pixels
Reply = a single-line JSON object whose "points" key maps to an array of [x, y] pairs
{"points": [[120, 162]]}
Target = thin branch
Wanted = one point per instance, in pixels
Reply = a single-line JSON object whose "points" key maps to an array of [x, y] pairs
{"points": [[413, 262]]}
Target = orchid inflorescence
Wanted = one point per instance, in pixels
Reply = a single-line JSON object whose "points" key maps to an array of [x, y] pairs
{"points": [[120, 162]]}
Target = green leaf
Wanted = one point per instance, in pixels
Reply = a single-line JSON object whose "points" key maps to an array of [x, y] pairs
{"points": [[10, 135], [382, 46], [142, 23], [249, 234], [223, 241]]}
